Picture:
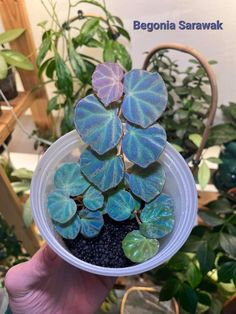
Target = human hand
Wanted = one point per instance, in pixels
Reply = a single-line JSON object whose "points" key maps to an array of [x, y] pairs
{"points": [[47, 284]]}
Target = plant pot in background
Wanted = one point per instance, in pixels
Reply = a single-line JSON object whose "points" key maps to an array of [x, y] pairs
{"points": [[8, 86], [179, 185]]}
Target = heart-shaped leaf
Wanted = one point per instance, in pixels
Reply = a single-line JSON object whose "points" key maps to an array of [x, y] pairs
{"points": [[145, 97], [158, 217], [91, 222], [98, 127], [61, 208], [105, 171], [69, 230], [69, 179], [120, 205], [138, 248], [93, 199], [143, 146], [146, 183], [106, 81]]}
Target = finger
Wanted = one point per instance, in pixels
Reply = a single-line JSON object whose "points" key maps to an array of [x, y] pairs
{"points": [[22, 277]]}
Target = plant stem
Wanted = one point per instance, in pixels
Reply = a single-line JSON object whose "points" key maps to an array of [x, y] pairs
{"points": [[137, 217]]}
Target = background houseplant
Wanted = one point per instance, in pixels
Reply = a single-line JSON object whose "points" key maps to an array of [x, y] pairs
{"points": [[70, 69], [8, 59], [202, 275], [196, 276], [191, 108]]}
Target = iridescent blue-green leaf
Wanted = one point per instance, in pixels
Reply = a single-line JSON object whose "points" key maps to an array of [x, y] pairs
{"points": [[120, 205], [69, 230], [138, 248], [158, 217], [143, 146], [105, 172], [61, 208], [146, 183], [91, 222], [69, 179], [145, 97], [93, 199], [99, 127]]}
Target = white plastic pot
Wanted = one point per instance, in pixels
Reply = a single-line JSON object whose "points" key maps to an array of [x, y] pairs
{"points": [[179, 184]]}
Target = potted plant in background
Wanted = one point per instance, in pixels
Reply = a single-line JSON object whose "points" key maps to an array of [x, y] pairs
{"points": [[117, 180], [8, 60], [202, 275], [70, 70]]}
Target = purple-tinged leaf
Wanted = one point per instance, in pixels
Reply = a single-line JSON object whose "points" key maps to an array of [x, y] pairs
{"points": [[107, 82]]}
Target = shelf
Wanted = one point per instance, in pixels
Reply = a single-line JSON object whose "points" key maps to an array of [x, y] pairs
{"points": [[7, 120]]}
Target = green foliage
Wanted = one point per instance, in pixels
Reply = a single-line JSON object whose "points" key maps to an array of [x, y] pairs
{"points": [[27, 214], [196, 139], [139, 248], [20, 180], [114, 190], [16, 59], [204, 175], [221, 133], [225, 178], [3, 68], [188, 101], [195, 276], [11, 252], [10, 35], [69, 69], [224, 132], [11, 57]]}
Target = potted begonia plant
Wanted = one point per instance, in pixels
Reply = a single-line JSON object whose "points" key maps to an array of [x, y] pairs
{"points": [[105, 206]]}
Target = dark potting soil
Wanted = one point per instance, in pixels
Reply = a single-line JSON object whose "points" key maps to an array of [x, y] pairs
{"points": [[105, 249]]}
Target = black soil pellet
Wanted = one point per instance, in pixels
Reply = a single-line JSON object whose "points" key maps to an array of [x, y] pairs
{"points": [[106, 249]]}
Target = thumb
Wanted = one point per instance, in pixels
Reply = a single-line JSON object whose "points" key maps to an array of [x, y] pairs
{"points": [[23, 277]]}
